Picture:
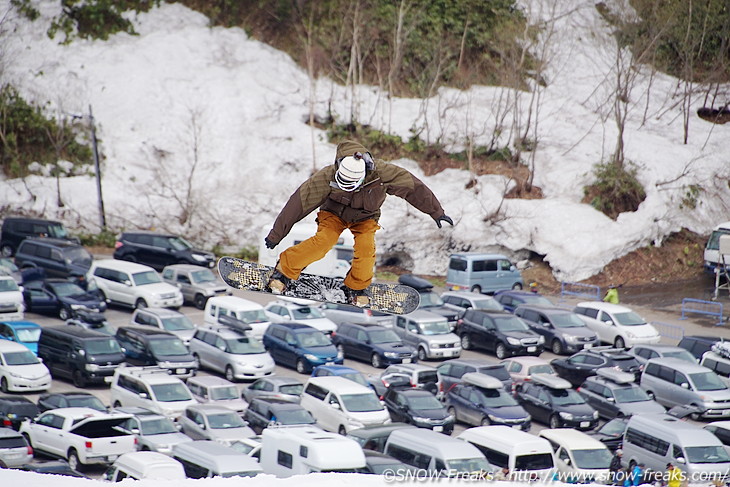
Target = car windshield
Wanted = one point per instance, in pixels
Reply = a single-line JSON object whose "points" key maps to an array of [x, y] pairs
{"points": [[244, 346], [361, 403], [625, 363], [157, 426], [510, 323], [306, 313], [201, 276], [383, 336], [567, 320], [7, 285], [541, 369], [294, 416], [167, 347], [496, 398], [469, 465], [497, 372], [177, 323], [680, 354], [223, 393], [435, 328], [28, 335], [57, 231], [707, 381], [252, 316], [424, 402], [78, 255], [536, 299], [65, 289], [594, 458], [25, 357], [174, 392], [356, 377], [86, 402], [629, 319], [489, 304], [615, 427], [534, 461], [706, 454], [179, 243], [102, 346], [146, 277], [313, 339], [292, 389], [630, 394], [224, 421], [565, 397], [429, 300]]}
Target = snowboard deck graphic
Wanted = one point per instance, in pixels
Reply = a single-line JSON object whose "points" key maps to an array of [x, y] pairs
{"points": [[251, 276]]}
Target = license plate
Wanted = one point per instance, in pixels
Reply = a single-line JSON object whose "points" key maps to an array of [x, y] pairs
{"points": [[588, 345], [585, 424], [517, 426], [406, 361], [329, 363], [180, 371], [108, 379], [438, 429], [531, 349]]}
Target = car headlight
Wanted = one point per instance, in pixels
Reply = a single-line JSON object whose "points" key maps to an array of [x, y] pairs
{"points": [[421, 419], [13, 374], [356, 424], [595, 414], [77, 306], [198, 257], [513, 341], [91, 367], [494, 419], [567, 416], [570, 338], [541, 340], [450, 418], [630, 335], [310, 357], [528, 418], [391, 354]]}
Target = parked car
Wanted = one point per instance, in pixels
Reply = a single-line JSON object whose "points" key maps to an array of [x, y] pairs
{"points": [[481, 400], [212, 422], [576, 368], [265, 411], [452, 371], [154, 432], [550, 400], [611, 433], [26, 333], [92, 320], [276, 387], [231, 352], [463, 300], [75, 399], [159, 250], [429, 333], [511, 299], [418, 407], [9, 269], [58, 258], [299, 311], [209, 389], [60, 297], [300, 346], [644, 353], [133, 285], [12, 304], [377, 463], [16, 229], [15, 409], [165, 319], [430, 300], [522, 368], [140, 465], [482, 273], [347, 313], [616, 325], [341, 371], [196, 283], [563, 330], [247, 312], [499, 332], [419, 376], [152, 388], [152, 346], [21, 370], [52, 467], [372, 343], [14, 449], [721, 429], [614, 394], [697, 345], [373, 438]]}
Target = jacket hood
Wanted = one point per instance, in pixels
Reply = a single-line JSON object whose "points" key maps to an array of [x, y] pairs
{"points": [[348, 148]]}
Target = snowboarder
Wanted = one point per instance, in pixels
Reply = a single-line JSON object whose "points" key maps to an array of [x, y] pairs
{"points": [[349, 194]]}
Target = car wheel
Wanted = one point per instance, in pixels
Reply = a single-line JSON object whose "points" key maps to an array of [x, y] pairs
{"points": [[619, 342], [78, 379], [375, 361], [465, 342], [230, 377], [64, 314], [4, 385], [422, 354], [140, 304], [301, 366], [555, 421], [500, 351], [476, 289], [695, 416], [6, 251], [73, 460], [196, 359], [557, 347], [341, 351], [485, 421], [517, 286], [199, 301], [342, 430], [450, 410]]}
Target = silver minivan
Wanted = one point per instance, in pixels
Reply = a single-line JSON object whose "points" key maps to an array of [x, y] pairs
{"points": [[14, 449], [673, 382], [429, 333], [482, 273]]}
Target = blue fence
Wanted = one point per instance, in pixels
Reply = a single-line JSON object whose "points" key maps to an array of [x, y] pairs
{"points": [[587, 291], [668, 330], [709, 308]]}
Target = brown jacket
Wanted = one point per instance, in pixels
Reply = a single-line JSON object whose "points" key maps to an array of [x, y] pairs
{"points": [[321, 191]]}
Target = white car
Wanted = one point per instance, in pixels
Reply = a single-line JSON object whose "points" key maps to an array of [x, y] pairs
{"points": [[11, 300], [302, 311], [132, 284], [21, 370], [616, 325], [152, 388]]}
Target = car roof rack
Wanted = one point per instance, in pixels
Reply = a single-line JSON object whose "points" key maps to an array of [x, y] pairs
{"points": [[551, 381], [482, 380], [234, 324], [614, 375]]}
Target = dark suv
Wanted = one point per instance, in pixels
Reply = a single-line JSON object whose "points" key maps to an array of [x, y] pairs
{"points": [[58, 258], [17, 229], [159, 250], [563, 330], [16, 409], [262, 412], [152, 346], [551, 401], [577, 368], [499, 332], [372, 343]]}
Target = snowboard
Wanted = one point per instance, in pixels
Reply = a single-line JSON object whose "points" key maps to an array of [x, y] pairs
{"points": [[251, 276]]}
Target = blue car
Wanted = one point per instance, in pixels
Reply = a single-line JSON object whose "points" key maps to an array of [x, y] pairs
{"points": [[300, 346], [60, 297], [511, 299], [372, 343], [24, 332], [342, 371]]}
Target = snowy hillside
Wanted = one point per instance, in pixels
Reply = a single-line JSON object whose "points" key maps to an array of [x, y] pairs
{"points": [[183, 104]]}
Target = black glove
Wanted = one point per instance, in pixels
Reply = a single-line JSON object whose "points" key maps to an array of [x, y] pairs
{"points": [[445, 219], [269, 243]]}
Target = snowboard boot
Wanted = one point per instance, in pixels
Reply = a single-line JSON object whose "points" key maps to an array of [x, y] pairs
{"points": [[356, 297], [278, 282]]}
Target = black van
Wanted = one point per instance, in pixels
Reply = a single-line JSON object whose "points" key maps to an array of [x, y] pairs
{"points": [[152, 346], [59, 258], [16, 229], [79, 354]]}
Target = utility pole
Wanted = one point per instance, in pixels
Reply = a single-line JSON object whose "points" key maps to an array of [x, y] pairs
{"points": [[102, 215]]}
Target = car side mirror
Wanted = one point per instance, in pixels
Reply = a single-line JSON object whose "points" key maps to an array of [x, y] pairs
{"points": [[144, 395], [134, 431], [608, 323], [292, 343], [567, 461], [685, 385], [681, 460], [127, 282], [335, 405], [178, 426], [610, 399]]}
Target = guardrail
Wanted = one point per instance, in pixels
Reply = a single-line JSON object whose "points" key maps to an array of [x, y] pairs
{"points": [[668, 330], [588, 291], [709, 308]]}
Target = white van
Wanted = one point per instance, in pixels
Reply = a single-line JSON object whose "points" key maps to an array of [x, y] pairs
{"points": [[140, 465], [428, 450], [206, 458], [482, 273], [506, 447], [336, 263], [657, 439], [249, 312], [712, 248], [294, 450], [581, 456], [341, 405]]}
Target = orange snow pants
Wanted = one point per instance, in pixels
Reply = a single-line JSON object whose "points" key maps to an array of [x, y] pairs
{"points": [[329, 227]]}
